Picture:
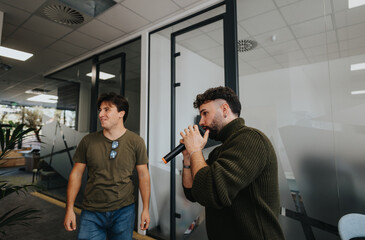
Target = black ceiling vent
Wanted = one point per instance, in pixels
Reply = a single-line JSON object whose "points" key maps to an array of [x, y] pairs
{"points": [[90, 7], [245, 45], [63, 14], [73, 13]]}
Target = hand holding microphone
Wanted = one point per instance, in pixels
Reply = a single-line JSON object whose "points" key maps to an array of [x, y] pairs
{"points": [[192, 140]]}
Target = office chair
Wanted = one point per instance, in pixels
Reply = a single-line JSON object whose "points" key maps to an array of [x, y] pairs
{"points": [[351, 225]]}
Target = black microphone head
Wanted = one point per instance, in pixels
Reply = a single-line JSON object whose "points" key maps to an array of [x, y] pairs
{"points": [[173, 153]]}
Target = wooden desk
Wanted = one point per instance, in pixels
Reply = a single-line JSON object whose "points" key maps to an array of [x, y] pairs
{"points": [[14, 159]]}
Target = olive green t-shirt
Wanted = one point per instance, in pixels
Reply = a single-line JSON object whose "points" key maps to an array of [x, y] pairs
{"points": [[109, 185]]}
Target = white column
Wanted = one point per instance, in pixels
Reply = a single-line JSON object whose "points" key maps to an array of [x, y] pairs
{"points": [[143, 106]]}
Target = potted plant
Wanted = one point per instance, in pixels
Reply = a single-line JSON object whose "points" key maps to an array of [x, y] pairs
{"points": [[8, 141]]}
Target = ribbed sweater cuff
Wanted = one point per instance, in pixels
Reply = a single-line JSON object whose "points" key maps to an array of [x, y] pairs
{"points": [[199, 190]]}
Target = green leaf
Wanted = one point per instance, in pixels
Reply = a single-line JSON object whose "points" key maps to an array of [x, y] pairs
{"points": [[9, 189], [2, 138], [9, 141], [19, 133], [16, 131], [7, 137], [13, 217]]}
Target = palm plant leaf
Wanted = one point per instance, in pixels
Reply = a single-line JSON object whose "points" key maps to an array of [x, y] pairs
{"points": [[19, 133], [8, 140], [2, 139], [8, 189], [13, 217], [7, 137]]}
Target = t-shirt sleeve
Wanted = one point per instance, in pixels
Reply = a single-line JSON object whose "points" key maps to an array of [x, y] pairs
{"points": [[237, 166], [80, 154], [141, 152]]}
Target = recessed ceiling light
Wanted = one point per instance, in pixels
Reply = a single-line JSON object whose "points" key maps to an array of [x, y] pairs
{"points": [[102, 75], [357, 66], [356, 3], [44, 98], [358, 92], [15, 54]]}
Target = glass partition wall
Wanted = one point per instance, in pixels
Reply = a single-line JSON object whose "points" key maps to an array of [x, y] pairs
{"points": [[35, 104], [186, 58], [124, 64], [299, 86], [300, 82], [119, 71]]}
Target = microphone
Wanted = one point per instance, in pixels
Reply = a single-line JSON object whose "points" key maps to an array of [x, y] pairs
{"points": [[173, 153]]}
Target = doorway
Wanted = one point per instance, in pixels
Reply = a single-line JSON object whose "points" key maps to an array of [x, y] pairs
{"points": [[186, 58], [111, 77]]}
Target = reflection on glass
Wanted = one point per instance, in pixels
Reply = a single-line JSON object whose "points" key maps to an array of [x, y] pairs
{"points": [[122, 75], [298, 86]]}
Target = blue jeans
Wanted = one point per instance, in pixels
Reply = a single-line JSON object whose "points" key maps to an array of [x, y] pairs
{"points": [[116, 225]]}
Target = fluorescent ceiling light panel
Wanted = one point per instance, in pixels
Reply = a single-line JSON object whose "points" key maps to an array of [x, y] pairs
{"points": [[358, 92], [102, 75], [358, 66], [44, 98], [15, 54], [356, 3]]}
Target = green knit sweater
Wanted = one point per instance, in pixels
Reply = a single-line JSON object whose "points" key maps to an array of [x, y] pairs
{"points": [[239, 187]]}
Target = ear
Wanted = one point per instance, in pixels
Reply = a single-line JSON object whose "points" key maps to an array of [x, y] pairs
{"points": [[121, 114], [225, 108]]}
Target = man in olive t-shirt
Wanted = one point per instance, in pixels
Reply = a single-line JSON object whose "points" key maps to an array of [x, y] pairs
{"points": [[111, 156]]}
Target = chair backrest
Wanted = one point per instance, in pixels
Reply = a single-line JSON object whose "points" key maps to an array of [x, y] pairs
{"points": [[351, 225]]}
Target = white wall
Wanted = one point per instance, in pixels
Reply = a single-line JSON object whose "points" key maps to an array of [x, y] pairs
{"points": [[84, 107]]}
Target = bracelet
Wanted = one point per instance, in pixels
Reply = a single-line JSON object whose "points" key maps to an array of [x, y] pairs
{"points": [[185, 166], [191, 154]]}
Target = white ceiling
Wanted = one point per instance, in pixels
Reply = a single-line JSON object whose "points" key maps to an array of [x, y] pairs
{"points": [[306, 31], [54, 44], [288, 33]]}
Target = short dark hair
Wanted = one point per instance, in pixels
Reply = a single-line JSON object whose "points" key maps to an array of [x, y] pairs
{"points": [[120, 102], [224, 93]]}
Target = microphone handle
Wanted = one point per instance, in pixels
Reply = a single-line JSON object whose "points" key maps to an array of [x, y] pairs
{"points": [[173, 153]]}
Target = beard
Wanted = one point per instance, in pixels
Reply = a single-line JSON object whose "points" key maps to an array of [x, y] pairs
{"points": [[213, 134], [215, 126]]}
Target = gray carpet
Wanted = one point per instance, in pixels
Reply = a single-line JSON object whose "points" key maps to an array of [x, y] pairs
{"points": [[49, 226]]}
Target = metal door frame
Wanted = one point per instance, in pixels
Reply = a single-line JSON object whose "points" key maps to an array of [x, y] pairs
{"points": [[95, 84], [231, 80]]}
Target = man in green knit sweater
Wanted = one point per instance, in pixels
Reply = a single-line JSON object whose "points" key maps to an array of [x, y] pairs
{"points": [[238, 184]]}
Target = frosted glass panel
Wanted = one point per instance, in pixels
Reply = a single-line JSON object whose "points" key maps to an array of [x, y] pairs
{"points": [[55, 137], [296, 85]]}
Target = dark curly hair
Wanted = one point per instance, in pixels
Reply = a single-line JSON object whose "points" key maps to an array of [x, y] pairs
{"points": [[120, 102], [224, 93]]}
